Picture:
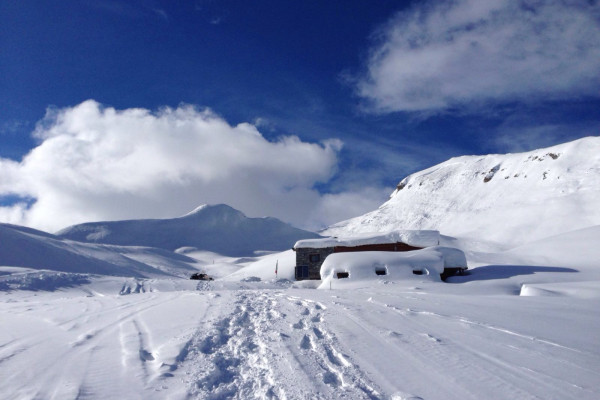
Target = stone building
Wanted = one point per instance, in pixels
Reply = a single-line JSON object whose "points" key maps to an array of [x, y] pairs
{"points": [[311, 253]]}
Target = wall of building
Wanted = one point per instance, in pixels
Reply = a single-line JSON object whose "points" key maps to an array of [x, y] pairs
{"points": [[314, 268], [303, 255]]}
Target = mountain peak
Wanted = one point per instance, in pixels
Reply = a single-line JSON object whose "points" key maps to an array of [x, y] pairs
{"points": [[214, 209], [195, 210], [218, 228]]}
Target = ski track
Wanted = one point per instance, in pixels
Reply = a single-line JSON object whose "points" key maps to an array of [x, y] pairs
{"points": [[78, 362]]}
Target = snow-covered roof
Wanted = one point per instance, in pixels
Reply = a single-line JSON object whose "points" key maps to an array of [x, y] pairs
{"points": [[361, 267], [417, 238]]}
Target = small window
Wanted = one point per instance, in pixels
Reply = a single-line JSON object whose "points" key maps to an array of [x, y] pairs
{"points": [[301, 271], [314, 258], [342, 275], [380, 271], [418, 271]]}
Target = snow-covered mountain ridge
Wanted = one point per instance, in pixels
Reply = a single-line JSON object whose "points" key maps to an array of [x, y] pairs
{"points": [[30, 248], [507, 198], [218, 228]]}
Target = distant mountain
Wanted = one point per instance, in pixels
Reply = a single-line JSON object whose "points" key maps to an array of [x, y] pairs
{"points": [[507, 198], [217, 228], [29, 248]]}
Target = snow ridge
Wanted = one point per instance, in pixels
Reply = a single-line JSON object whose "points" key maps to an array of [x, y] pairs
{"points": [[508, 198], [37, 250]]}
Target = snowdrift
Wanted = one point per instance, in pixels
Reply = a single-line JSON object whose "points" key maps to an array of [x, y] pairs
{"points": [[364, 268]]}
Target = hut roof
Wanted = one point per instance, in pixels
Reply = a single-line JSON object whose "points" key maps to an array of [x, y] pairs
{"points": [[417, 238]]}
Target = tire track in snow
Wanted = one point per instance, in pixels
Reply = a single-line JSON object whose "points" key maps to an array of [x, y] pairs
{"points": [[75, 361], [501, 366]]}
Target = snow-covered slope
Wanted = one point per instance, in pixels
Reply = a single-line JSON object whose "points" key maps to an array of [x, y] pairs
{"points": [[29, 248], [217, 228], [510, 198], [520, 325]]}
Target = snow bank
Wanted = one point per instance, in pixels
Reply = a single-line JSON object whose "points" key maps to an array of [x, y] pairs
{"points": [[579, 249], [417, 238], [584, 290], [373, 266], [264, 268], [15, 278]]}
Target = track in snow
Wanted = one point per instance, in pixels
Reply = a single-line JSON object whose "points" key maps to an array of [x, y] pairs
{"points": [[295, 344], [273, 346]]}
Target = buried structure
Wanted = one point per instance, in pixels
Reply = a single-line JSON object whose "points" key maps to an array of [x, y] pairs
{"points": [[311, 253]]}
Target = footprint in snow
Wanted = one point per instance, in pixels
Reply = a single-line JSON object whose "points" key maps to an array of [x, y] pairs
{"points": [[306, 343], [299, 325], [318, 333], [146, 355], [432, 338], [331, 378]]}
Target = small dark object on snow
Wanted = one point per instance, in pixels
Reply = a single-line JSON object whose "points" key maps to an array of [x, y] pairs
{"points": [[201, 277]]}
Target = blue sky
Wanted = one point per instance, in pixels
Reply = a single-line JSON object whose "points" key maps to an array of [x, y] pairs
{"points": [[356, 95]]}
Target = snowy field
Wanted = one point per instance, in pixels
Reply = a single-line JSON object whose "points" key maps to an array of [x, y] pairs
{"points": [[523, 324]]}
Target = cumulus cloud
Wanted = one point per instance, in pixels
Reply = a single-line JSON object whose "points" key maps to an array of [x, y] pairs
{"points": [[99, 163], [460, 53]]}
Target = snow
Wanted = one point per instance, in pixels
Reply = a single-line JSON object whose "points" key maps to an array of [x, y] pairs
{"points": [[174, 338], [396, 266], [97, 321], [264, 268], [504, 198], [511, 328], [217, 228], [417, 238], [28, 248]]}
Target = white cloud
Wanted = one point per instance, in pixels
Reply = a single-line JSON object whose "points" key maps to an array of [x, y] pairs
{"points": [[462, 53], [97, 163], [340, 206]]}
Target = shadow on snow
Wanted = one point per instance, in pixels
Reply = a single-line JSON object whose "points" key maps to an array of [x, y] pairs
{"points": [[490, 272]]}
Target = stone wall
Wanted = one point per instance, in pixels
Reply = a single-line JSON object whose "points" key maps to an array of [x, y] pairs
{"points": [[303, 256]]}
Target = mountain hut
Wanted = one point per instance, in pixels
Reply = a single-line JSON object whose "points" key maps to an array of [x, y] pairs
{"points": [[311, 253]]}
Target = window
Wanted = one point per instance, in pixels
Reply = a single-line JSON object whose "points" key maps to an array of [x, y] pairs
{"points": [[342, 275], [380, 271], [314, 258], [301, 271]]}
